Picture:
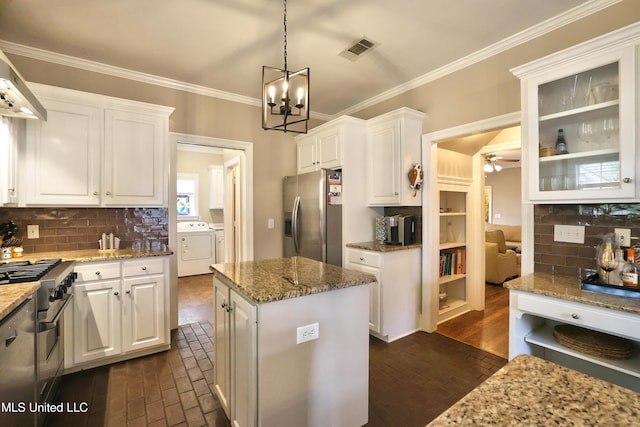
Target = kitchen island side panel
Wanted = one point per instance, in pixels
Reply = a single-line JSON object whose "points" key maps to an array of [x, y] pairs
{"points": [[320, 382]]}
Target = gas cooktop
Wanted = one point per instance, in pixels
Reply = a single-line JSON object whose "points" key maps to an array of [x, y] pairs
{"points": [[26, 271]]}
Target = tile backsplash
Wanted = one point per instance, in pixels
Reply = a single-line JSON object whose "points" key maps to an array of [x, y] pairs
{"points": [[64, 229], [571, 258]]}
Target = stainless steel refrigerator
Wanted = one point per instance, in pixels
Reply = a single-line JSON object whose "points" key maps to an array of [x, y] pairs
{"points": [[312, 227]]}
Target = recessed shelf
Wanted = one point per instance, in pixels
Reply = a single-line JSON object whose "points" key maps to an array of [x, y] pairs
{"points": [[581, 110], [453, 213], [450, 278], [451, 305], [580, 155], [450, 245], [543, 337]]}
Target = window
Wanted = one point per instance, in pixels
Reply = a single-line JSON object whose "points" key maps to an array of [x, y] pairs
{"points": [[187, 192], [605, 174]]}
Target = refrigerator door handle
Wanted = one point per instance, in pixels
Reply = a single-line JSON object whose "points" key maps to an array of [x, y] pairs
{"points": [[294, 225]]}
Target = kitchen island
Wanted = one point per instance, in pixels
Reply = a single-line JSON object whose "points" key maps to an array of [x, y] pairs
{"points": [[291, 343], [532, 391], [540, 302]]}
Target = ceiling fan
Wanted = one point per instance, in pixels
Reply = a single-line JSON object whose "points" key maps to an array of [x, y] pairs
{"points": [[492, 162]]}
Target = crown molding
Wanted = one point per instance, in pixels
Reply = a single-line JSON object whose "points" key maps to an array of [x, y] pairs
{"points": [[524, 36], [110, 70], [538, 30]]}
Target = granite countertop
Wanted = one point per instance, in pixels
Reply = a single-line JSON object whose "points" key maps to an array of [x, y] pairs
{"points": [[568, 288], [87, 255], [532, 391], [11, 296], [379, 247], [273, 279]]}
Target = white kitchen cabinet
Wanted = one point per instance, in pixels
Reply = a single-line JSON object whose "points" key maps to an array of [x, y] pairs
{"points": [[95, 151], [590, 92], [11, 131], [97, 317], [532, 318], [393, 147], [62, 158], [144, 308], [216, 187], [235, 344], [134, 158], [120, 311], [321, 148], [394, 300]]}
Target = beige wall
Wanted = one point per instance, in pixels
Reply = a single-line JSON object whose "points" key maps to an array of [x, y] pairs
{"points": [[483, 90], [505, 189]]}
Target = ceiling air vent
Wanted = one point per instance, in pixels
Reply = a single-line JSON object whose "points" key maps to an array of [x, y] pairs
{"points": [[357, 48]]}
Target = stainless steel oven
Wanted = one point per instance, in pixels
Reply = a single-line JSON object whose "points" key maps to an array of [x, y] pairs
{"points": [[52, 298]]}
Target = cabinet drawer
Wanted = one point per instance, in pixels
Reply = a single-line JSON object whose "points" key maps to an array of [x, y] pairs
{"points": [[587, 316], [143, 267], [91, 272], [372, 259]]}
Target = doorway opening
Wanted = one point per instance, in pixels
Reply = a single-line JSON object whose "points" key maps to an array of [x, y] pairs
{"points": [[463, 151], [221, 204]]}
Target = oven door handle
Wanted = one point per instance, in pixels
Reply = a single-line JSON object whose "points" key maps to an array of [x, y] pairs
{"points": [[45, 326]]}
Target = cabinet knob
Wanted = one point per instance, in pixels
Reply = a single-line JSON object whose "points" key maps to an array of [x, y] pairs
{"points": [[575, 316], [395, 194], [361, 258], [108, 193], [627, 180], [144, 268], [128, 292], [95, 193], [12, 190], [97, 273], [116, 293], [229, 309], [223, 305]]}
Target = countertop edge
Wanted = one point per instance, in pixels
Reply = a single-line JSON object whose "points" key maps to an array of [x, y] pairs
{"points": [[568, 288], [278, 287], [11, 296], [380, 247]]}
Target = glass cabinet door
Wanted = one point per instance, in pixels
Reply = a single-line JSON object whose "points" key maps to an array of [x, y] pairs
{"points": [[592, 105]]}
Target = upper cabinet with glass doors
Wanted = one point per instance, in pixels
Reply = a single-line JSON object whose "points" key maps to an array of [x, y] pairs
{"points": [[589, 94]]}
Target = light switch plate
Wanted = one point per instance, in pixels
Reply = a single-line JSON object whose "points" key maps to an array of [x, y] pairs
{"points": [[568, 233]]}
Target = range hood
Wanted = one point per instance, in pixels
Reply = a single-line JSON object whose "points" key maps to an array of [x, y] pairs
{"points": [[16, 100]]}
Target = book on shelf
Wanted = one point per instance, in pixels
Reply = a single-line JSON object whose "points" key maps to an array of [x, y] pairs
{"points": [[452, 261]]}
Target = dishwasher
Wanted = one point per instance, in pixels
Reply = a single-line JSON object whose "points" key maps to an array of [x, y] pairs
{"points": [[17, 359]]}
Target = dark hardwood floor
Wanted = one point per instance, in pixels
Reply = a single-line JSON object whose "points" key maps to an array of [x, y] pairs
{"points": [[487, 330], [412, 380]]}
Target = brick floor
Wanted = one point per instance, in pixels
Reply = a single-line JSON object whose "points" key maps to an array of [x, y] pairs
{"points": [[172, 388]]}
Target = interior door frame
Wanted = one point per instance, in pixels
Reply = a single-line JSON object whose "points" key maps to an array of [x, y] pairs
{"points": [[429, 317], [246, 202]]}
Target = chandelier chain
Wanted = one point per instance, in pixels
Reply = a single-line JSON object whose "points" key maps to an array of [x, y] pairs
{"points": [[285, 34]]}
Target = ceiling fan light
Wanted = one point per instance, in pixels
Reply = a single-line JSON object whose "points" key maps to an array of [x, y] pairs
{"points": [[497, 167], [488, 168]]}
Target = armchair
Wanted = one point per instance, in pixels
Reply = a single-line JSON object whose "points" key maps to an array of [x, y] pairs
{"points": [[500, 263]]}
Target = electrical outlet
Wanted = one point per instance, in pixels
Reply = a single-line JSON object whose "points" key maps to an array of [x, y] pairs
{"points": [[308, 333], [33, 231], [271, 223], [568, 233], [623, 236]]}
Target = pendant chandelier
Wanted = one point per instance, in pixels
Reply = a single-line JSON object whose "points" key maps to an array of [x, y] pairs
{"points": [[285, 95]]}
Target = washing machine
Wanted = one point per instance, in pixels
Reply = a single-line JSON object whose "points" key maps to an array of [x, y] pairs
{"points": [[196, 248]]}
